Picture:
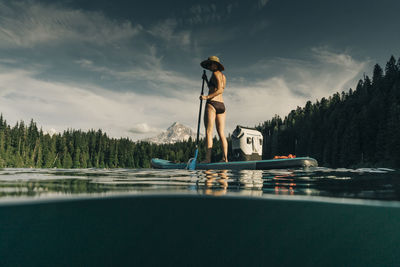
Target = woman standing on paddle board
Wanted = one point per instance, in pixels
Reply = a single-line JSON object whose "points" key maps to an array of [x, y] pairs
{"points": [[215, 107]]}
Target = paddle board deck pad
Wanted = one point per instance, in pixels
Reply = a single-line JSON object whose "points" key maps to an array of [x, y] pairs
{"points": [[240, 165]]}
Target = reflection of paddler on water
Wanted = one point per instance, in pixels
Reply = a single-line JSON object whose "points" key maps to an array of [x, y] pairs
{"points": [[255, 183], [245, 182], [220, 177]]}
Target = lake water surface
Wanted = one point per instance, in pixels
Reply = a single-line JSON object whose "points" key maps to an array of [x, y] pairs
{"points": [[146, 217], [339, 184]]}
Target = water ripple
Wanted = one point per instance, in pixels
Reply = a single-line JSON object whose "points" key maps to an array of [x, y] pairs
{"points": [[362, 183]]}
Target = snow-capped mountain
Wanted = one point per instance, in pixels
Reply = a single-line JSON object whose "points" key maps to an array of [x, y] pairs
{"points": [[175, 133]]}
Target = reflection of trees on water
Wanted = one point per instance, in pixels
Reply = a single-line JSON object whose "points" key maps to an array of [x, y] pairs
{"points": [[50, 187], [346, 184], [383, 186], [330, 183]]}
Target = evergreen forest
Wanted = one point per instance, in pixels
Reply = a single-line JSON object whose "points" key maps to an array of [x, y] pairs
{"points": [[26, 146], [360, 127]]}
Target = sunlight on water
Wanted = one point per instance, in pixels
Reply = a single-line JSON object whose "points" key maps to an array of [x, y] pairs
{"points": [[363, 183]]}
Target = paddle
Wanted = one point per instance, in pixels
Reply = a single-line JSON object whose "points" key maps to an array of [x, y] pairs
{"points": [[192, 163]]}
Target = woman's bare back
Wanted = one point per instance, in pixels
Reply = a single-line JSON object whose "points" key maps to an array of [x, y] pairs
{"points": [[214, 82]]}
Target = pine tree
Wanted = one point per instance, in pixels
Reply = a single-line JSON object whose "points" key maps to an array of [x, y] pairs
{"points": [[67, 160], [377, 75], [76, 160], [391, 71]]}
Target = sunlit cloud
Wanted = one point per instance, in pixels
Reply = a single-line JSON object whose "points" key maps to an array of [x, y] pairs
{"points": [[62, 106], [144, 128], [159, 79], [324, 74]]}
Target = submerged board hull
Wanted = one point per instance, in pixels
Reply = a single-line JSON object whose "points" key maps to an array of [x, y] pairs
{"points": [[240, 165]]}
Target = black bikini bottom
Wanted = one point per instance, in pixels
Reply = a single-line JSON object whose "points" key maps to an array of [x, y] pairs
{"points": [[219, 106]]}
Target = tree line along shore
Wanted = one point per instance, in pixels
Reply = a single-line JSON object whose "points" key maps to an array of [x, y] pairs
{"points": [[360, 127]]}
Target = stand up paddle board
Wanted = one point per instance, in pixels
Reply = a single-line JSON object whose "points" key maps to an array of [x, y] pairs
{"points": [[240, 165]]}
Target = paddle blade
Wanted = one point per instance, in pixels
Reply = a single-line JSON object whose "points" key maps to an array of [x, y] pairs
{"points": [[192, 163]]}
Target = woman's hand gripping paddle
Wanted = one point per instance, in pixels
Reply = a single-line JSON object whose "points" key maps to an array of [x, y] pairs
{"points": [[192, 163]]}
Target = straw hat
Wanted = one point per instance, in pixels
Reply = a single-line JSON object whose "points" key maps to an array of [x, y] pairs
{"points": [[213, 59]]}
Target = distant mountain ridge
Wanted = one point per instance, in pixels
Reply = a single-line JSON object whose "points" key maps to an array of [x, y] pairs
{"points": [[177, 132]]}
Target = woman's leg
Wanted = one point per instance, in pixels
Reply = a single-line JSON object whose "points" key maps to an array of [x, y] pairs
{"points": [[209, 119], [220, 119]]}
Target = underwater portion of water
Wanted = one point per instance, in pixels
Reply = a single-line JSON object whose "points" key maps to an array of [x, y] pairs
{"points": [[146, 217], [366, 183]]}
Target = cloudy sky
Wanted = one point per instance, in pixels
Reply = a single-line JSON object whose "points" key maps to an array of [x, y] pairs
{"points": [[132, 68]]}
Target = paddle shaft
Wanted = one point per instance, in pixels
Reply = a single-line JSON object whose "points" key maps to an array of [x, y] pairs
{"points": [[201, 106]]}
